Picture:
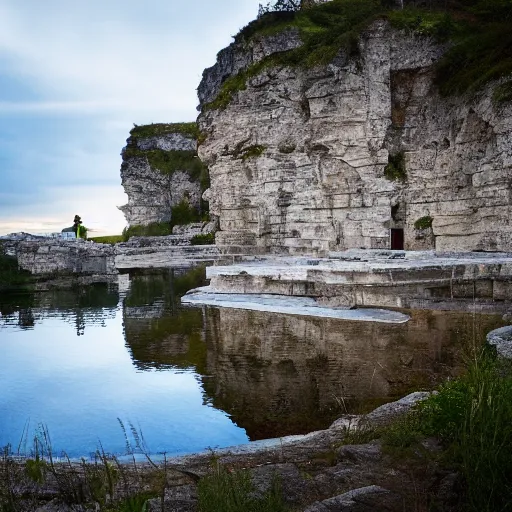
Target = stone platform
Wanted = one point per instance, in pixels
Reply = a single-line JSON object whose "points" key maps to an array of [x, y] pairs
{"points": [[43, 255], [362, 278], [162, 252]]}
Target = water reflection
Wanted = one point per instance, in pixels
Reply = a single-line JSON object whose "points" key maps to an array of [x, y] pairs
{"points": [[278, 374], [159, 332], [78, 305], [72, 371], [193, 377]]}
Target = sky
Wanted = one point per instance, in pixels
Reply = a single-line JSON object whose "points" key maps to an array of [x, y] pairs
{"points": [[74, 78]]}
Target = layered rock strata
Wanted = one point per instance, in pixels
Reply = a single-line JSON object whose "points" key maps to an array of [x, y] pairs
{"points": [[45, 256], [160, 171], [375, 278], [297, 158]]}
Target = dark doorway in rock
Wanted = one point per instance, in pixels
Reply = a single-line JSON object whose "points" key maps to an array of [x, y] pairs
{"points": [[397, 239]]}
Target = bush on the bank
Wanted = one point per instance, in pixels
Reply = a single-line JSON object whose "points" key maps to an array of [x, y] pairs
{"points": [[10, 274], [472, 415], [233, 491]]}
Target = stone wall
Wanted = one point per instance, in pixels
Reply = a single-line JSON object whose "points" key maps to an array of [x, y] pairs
{"points": [[44, 256], [324, 137], [154, 190]]}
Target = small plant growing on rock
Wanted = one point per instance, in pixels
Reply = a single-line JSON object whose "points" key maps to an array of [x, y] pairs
{"points": [[395, 169], [203, 239], [423, 222], [252, 152]]}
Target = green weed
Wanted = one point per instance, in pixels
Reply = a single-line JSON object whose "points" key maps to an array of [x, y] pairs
{"points": [[152, 229], [109, 239], [252, 152], [203, 239], [423, 222], [233, 491], [473, 417], [395, 169]]}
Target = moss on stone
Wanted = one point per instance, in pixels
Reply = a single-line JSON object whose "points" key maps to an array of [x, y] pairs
{"points": [[423, 222], [168, 162], [478, 31], [155, 129], [395, 169], [503, 92], [184, 213], [203, 239], [325, 29], [252, 152]]}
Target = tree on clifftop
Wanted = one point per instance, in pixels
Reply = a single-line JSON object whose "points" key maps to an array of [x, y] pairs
{"points": [[279, 6]]}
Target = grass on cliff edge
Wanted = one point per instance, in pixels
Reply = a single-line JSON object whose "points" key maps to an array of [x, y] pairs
{"points": [[152, 130], [108, 239], [479, 33]]}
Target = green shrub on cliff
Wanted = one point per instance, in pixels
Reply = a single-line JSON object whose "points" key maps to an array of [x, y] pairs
{"points": [[168, 162], [424, 222], [203, 239], [152, 130], [184, 213], [395, 169], [478, 32]]}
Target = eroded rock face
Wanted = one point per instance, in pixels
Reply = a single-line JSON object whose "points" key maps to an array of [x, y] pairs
{"points": [[152, 192], [41, 255], [324, 137]]}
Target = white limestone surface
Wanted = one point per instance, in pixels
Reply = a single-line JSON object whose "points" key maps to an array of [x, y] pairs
{"points": [[502, 339], [303, 306]]}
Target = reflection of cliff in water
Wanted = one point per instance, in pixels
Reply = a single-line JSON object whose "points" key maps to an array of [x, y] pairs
{"points": [[80, 305], [159, 332], [280, 374]]}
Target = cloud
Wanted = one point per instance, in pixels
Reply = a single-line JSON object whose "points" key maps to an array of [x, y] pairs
{"points": [[74, 78]]}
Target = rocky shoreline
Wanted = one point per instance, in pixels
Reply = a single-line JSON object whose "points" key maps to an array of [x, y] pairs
{"points": [[328, 470]]}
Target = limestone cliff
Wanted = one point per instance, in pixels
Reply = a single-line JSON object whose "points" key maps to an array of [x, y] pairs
{"points": [[162, 175], [362, 152]]}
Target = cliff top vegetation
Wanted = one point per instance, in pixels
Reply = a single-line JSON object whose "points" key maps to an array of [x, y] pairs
{"points": [[478, 32], [154, 129]]}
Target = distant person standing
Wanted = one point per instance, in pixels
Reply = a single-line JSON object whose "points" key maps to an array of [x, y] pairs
{"points": [[79, 230]]}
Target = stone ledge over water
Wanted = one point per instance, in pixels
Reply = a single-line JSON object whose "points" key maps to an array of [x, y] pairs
{"points": [[362, 278], [303, 306], [42, 255]]}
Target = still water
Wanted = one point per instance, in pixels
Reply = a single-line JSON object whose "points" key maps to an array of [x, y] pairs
{"points": [[113, 363]]}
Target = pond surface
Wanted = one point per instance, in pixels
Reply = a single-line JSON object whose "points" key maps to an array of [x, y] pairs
{"points": [[120, 363]]}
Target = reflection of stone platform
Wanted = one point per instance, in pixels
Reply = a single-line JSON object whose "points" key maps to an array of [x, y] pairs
{"points": [[303, 306], [373, 278]]}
